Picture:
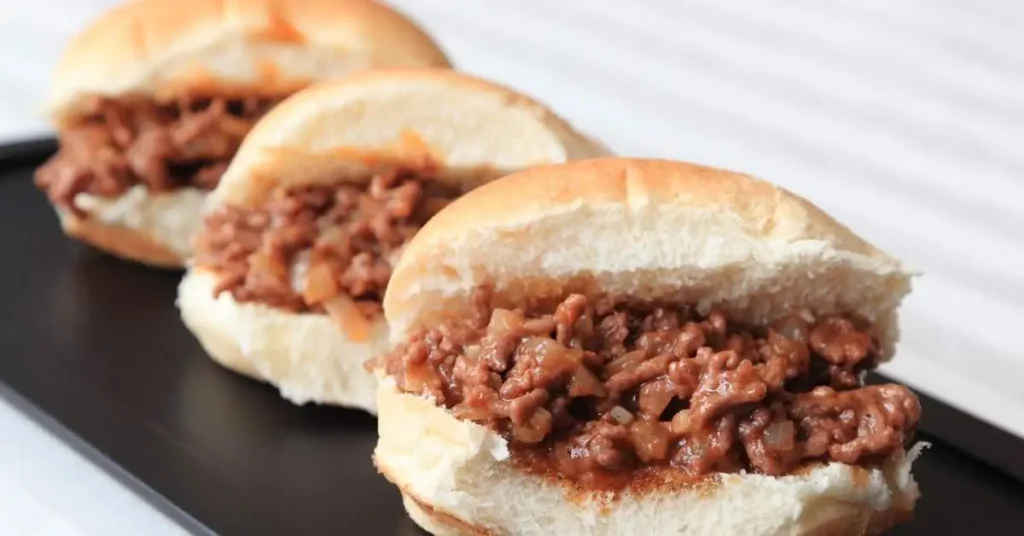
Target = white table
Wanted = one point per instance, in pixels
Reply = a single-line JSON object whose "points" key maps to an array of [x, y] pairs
{"points": [[48, 489], [903, 119]]}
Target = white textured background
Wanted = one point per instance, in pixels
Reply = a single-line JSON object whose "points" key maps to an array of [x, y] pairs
{"points": [[903, 118]]}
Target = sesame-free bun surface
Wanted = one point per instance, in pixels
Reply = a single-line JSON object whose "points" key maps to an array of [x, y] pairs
{"points": [[473, 129], [163, 48], [456, 479], [644, 230], [476, 130]]}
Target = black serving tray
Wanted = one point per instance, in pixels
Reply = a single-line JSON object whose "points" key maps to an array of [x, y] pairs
{"points": [[93, 348]]}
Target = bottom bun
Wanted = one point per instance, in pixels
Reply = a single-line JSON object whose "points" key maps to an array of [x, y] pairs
{"points": [[306, 356], [456, 479], [152, 229], [120, 241]]}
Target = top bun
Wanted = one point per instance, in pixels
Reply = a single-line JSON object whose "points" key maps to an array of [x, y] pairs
{"points": [[465, 129], [165, 48], [643, 230]]}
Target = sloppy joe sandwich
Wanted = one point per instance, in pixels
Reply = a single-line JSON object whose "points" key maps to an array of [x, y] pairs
{"points": [[153, 99], [624, 346], [302, 232]]}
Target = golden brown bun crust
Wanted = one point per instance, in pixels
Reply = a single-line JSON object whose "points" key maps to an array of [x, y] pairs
{"points": [[130, 244], [131, 47], [437, 522]]}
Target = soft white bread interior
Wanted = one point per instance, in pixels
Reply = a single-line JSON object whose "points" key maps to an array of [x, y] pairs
{"points": [[472, 129], [165, 48], [305, 355], [154, 229], [456, 479], [644, 230]]}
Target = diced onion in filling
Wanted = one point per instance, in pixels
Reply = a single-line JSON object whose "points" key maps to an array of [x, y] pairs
{"points": [[321, 285], [343, 310], [299, 268], [269, 264], [654, 398], [535, 429], [779, 435], [626, 361], [792, 327], [584, 383], [504, 321], [680, 424], [650, 439], [472, 351], [621, 415]]}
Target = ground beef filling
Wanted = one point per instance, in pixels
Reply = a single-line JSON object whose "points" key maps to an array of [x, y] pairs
{"points": [[120, 143], [601, 390], [320, 249]]}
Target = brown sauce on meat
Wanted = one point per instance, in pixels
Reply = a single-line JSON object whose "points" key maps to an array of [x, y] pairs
{"points": [[310, 246], [605, 392], [642, 479], [120, 143]]}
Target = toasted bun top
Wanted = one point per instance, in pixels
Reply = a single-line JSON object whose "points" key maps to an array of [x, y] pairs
{"points": [[469, 129], [643, 230], [164, 48]]}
